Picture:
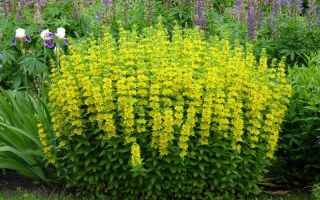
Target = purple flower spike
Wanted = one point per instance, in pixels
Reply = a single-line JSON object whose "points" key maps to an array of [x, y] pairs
{"points": [[27, 38], [14, 41], [42, 1], [1, 56], [251, 20], [107, 3], [200, 18], [66, 42], [48, 43]]}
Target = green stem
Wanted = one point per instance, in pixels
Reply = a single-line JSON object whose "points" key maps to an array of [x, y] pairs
{"points": [[41, 92], [24, 68], [57, 56]]}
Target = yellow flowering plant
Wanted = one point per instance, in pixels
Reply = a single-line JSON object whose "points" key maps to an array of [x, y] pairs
{"points": [[154, 115]]}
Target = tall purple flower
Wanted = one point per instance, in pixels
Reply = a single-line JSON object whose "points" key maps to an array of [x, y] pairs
{"points": [[74, 13], [259, 17], [200, 19], [149, 11], [275, 9], [23, 3], [318, 18], [295, 7], [42, 2], [19, 17], [107, 3], [238, 10], [126, 10], [312, 11], [251, 20]]}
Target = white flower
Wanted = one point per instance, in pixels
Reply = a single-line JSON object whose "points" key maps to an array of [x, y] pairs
{"points": [[61, 33], [44, 33], [20, 33]]}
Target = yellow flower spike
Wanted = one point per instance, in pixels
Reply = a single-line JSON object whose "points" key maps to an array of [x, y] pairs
{"points": [[135, 155], [46, 148], [174, 89]]}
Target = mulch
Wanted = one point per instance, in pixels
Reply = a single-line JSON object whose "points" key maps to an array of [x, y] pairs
{"points": [[11, 181]]}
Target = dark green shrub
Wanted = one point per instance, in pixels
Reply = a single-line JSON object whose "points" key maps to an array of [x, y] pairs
{"points": [[299, 149]]}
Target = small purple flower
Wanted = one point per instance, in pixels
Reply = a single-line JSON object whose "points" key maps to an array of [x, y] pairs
{"points": [[21, 35], [47, 36], [42, 2], [251, 20]]}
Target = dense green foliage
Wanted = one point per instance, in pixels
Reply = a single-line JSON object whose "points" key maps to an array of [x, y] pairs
{"points": [[299, 148], [316, 192], [295, 39], [19, 142]]}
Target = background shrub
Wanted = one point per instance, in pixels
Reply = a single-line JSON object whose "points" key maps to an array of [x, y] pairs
{"points": [[154, 118], [299, 148], [295, 39]]}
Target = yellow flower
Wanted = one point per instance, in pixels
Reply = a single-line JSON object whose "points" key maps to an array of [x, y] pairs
{"points": [[173, 89], [135, 155]]}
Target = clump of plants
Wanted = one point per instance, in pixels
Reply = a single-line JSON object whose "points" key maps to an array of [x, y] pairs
{"points": [[150, 117], [298, 162], [20, 147]]}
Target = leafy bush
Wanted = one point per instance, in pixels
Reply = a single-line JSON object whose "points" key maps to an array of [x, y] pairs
{"points": [[316, 192], [20, 147], [294, 39], [299, 149], [153, 118]]}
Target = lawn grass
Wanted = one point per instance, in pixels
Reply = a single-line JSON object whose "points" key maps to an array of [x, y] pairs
{"points": [[21, 194]]}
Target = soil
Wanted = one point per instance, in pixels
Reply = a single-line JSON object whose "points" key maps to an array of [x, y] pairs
{"points": [[10, 181]]}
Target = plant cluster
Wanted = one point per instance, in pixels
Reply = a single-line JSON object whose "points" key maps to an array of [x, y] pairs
{"points": [[20, 147], [284, 28], [298, 159], [172, 115]]}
